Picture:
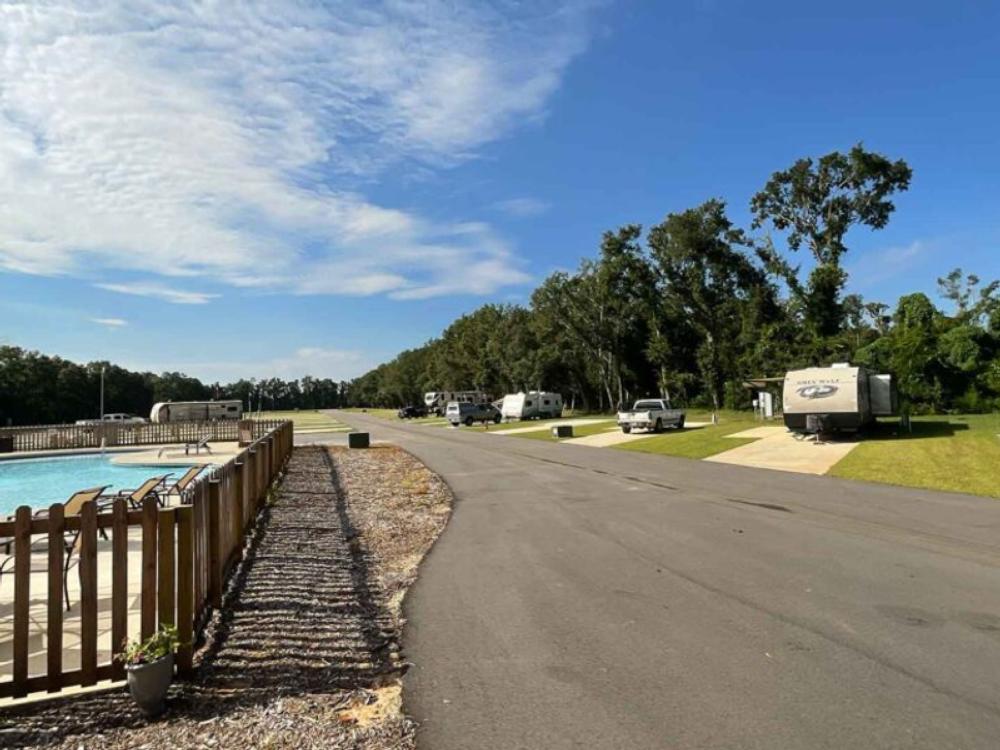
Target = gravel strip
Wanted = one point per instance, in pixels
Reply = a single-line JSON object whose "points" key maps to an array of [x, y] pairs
{"points": [[305, 653]]}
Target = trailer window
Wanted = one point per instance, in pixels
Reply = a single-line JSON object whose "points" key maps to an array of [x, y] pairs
{"points": [[527, 403], [546, 402]]}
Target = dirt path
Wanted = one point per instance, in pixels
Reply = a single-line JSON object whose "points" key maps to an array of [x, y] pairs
{"points": [[305, 654]]}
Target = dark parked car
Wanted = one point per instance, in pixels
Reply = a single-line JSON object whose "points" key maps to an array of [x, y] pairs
{"points": [[412, 412]]}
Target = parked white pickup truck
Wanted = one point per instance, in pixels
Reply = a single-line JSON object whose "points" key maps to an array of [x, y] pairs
{"points": [[650, 414]]}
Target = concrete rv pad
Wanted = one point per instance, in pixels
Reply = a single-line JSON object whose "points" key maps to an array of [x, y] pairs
{"points": [[614, 436], [776, 448], [547, 425]]}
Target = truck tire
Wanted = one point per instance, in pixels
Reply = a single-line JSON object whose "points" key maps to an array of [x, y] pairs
{"points": [[658, 427], [468, 421], [680, 423], [496, 419], [626, 429]]}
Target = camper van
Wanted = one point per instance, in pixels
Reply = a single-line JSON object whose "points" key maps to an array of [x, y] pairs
{"points": [[437, 401], [532, 405], [846, 398], [195, 411]]}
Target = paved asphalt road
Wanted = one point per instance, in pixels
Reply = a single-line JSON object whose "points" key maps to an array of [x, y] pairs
{"points": [[592, 598]]}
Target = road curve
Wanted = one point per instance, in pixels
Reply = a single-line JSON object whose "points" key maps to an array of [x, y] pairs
{"points": [[589, 598]]}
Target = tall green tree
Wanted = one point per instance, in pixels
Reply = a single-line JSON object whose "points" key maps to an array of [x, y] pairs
{"points": [[701, 267], [817, 202]]}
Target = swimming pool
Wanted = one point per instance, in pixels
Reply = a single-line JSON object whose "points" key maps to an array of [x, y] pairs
{"points": [[39, 482]]}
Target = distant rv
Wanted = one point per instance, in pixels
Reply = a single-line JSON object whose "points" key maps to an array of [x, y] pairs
{"points": [[195, 411], [532, 405], [845, 398], [437, 401]]}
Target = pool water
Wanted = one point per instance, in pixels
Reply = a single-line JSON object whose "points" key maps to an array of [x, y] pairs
{"points": [[39, 482]]}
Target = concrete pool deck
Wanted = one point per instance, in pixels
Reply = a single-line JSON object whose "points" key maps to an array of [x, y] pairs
{"points": [[173, 455]]}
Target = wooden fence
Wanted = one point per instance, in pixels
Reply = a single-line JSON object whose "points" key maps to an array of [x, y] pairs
{"points": [[63, 436], [187, 552]]}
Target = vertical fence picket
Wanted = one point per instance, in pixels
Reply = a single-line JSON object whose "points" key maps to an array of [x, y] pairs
{"points": [[119, 583], [200, 548], [185, 587], [54, 623], [165, 567], [148, 598], [239, 499], [22, 593], [215, 559], [88, 594]]}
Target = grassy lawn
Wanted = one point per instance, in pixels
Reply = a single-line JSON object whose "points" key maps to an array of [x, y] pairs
{"points": [[696, 442], [306, 421], [957, 453]]}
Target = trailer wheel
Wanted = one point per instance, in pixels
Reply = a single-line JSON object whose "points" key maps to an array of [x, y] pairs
{"points": [[659, 425], [626, 429]]}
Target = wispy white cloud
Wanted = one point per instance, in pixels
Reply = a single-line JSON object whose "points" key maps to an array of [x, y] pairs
{"points": [[522, 207], [110, 322], [180, 138], [157, 291]]}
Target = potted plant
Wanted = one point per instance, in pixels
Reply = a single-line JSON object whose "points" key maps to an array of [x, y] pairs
{"points": [[149, 666]]}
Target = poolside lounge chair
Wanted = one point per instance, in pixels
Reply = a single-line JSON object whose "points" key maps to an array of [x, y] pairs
{"points": [[198, 445], [71, 539], [152, 487], [178, 487]]}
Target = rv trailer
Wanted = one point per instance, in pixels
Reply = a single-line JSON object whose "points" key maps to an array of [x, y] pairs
{"points": [[532, 405], [844, 398], [195, 411], [437, 401]]}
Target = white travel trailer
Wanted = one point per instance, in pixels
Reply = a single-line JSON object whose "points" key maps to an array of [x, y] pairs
{"points": [[532, 405], [845, 398], [437, 401], [195, 411]]}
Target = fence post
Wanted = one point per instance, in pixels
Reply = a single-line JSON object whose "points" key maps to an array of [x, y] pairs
{"points": [[165, 567], [185, 587], [22, 592], [215, 557], [54, 625], [148, 596]]}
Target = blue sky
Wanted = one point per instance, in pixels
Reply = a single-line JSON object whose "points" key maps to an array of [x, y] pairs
{"points": [[308, 188]]}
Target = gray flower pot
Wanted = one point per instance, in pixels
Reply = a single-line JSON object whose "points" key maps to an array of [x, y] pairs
{"points": [[148, 683]]}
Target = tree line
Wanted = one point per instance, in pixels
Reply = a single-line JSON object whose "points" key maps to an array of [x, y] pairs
{"points": [[40, 389], [696, 305]]}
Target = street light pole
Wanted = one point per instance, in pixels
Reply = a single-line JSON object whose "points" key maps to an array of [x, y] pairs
{"points": [[102, 393]]}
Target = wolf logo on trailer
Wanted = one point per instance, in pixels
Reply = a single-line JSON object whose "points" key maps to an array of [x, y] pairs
{"points": [[848, 398], [817, 391]]}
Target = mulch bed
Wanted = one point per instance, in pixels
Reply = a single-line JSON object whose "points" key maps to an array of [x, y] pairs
{"points": [[305, 653]]}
